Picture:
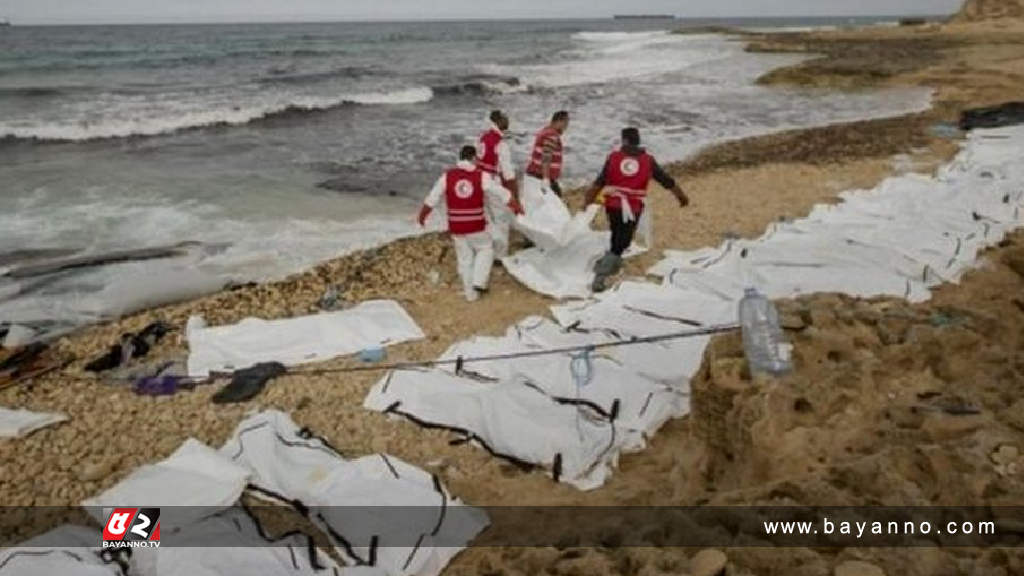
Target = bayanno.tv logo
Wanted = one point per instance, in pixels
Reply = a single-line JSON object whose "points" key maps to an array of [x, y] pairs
{"points": [[131, 528]]}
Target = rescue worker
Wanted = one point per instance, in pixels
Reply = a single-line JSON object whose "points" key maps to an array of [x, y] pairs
{"points": [[624, 179], [495, 158], [464, 190], [540, 194], [547, 156]]}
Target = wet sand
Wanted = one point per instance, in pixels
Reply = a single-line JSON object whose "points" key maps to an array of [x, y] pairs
{"points": [[841, 430]]}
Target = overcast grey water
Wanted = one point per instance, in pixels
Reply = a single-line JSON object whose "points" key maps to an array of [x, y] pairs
{"points": [[284, 145]]}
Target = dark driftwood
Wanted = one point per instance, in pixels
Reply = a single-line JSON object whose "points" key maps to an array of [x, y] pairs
{"points": [[1006, 114], [88, 260]]}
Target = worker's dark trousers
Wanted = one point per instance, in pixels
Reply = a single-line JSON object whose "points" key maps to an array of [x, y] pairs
{"points": [[622, 232]]}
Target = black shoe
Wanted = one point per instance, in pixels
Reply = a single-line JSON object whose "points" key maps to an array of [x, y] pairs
{"points": [[248, 383], [608, 265]]}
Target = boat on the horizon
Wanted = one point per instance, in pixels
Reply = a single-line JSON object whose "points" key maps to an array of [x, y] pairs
{"points": [[644, 17], [4, 22]]}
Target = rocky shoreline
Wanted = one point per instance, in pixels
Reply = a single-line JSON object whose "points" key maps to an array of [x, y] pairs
{"points": [[845, 429]]}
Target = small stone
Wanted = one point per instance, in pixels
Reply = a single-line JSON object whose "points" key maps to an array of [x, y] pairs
{"points": [[708, 563], [792, 320], [97, 471], [65, 463], [941, 427], [729, 373], [822, 317], [846, 315], [858, 568], [1006, 454], [77, 444], [166, 445]]}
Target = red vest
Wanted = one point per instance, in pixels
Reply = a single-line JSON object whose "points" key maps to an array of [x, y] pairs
{"points": [[630, 176], [535, 168], [487, 154], [464, 196]]}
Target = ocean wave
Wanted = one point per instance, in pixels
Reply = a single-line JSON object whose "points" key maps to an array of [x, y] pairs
{"points": [[479, 85], [617, 36], [234, 248], [287, 77], [604, 57], [101, 60], [119, 127], [789, 29]]}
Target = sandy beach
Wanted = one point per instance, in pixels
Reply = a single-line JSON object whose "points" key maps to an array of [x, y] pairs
{"points": [[844, 429]]}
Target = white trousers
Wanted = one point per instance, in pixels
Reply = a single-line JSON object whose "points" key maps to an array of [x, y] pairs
{"points": [[475, 256], [499, 221]]}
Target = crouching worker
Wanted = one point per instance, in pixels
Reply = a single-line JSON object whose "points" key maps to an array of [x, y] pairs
{"points": [[464, 190], [626, 175]]}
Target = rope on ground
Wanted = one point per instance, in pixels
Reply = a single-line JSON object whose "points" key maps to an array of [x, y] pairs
{"points": [[582, 353], [461, 360]]}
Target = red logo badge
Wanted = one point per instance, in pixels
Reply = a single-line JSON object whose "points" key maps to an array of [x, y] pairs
{"points": [[132, 525]]}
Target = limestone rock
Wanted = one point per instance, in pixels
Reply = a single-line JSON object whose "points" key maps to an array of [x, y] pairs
{"points": [[979, 10], [940, 426], [822, 317], [729, 373], [1006, 454], [97, 471], [708, 563]]}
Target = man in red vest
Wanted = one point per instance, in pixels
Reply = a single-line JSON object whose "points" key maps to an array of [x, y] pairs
{"points": [[625, 178], [540, 193], [546, 158], [495, 158], [464, 190]]}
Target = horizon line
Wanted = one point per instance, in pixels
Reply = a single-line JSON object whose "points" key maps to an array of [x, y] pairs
{"points": [[41, 24]]}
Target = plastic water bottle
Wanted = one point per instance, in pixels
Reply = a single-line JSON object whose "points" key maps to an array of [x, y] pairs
{"points": [[763, 340]]}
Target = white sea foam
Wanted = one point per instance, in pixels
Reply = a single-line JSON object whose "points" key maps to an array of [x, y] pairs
{"points": [[601, 57], [118, 117], [617, 36], [789, 29], [234, 249]]}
